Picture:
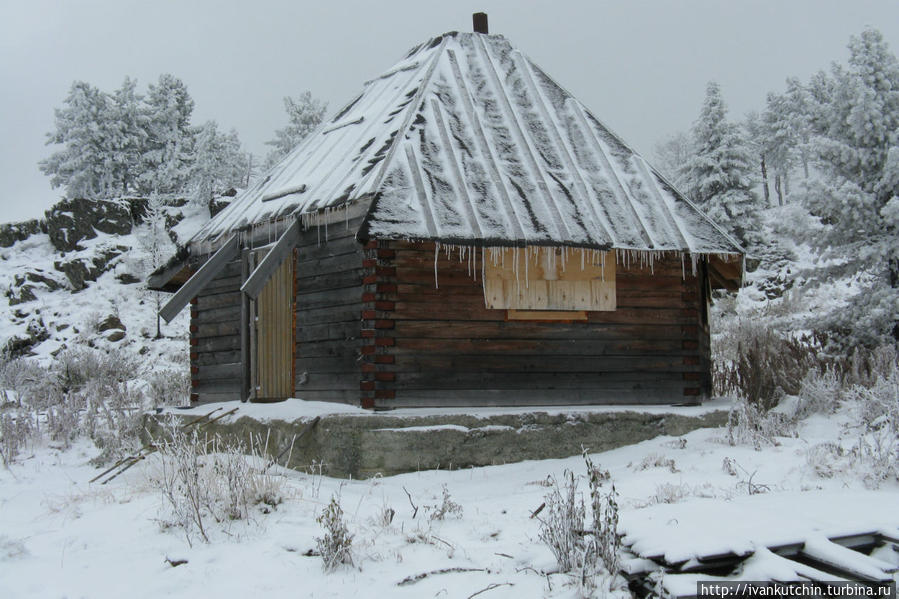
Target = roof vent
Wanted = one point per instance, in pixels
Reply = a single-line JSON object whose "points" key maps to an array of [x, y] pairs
{"points": [[479, 22]]}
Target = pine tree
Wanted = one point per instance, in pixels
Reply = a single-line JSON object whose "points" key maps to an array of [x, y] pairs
{"points": [[858, 197], [167, 157], [128, 137], [303, 115], [83, 129], [756, 141], [219, 163], [718, 175]]}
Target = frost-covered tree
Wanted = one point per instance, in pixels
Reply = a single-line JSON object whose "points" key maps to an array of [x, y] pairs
{"points": [[756, 143], [83, 129], [858, 194], [127, 137], [671, 154], [219, 163], [157, 246], [304, 114], [170, 138], [718, 176]]}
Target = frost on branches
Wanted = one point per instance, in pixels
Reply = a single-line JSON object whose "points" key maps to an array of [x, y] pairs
{"points": [[124, 143], [304, 114], [857, 198], [718, 174]]}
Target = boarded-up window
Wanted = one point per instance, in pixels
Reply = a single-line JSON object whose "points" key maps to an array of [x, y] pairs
{"points": [[546, 278]]}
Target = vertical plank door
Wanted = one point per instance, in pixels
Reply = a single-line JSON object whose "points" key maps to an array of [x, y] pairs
{"points": [[275, 336]]}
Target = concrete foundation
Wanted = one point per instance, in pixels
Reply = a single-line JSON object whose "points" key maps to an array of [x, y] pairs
{"points": [[361, 446]]}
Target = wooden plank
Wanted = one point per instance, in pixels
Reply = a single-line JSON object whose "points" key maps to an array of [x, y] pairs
{"points": [[218, 329], [213, 315], [215, 397], [420, 361], [273, 259], [542, 279], [218, 386], [336, 365], [217, 357], [317, 381], [331, 297], [549, 381], [217, 300], [338, 396], [597, 346], [546, 315], [223, 285], [435, 329], [328, 332], [199, 280], [329, 265], [328, 314], [337, 280], [328, 348], [219, 372], [213, 344], [531, 397]]}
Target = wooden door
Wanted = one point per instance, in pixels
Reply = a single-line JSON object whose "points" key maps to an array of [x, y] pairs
{"points": [[273, 335]]}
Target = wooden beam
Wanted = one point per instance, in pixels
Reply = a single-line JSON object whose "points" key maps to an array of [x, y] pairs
{"points": [[262, 273], [201, 278]]}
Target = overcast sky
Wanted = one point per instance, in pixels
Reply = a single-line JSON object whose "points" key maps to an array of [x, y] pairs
{"points": [[641, 66]]}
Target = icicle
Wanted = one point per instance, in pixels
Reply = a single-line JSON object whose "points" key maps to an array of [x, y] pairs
{"points": [[436, 253], [484, 273], [526, 261], [515, 268]]}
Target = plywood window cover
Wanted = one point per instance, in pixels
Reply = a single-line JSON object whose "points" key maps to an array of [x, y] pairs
{"points": [[558, 282]]}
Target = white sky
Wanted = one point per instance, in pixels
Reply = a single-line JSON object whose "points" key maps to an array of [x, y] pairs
{"points": [[640, 65]]}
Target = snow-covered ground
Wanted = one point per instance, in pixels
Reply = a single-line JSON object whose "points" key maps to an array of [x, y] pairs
{"points": [[61, 536]]}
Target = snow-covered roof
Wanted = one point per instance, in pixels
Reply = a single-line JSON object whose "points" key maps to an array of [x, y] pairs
{"points": [[465, 140]]}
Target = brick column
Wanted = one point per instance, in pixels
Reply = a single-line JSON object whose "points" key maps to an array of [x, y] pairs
{"points": [[379, 294]]}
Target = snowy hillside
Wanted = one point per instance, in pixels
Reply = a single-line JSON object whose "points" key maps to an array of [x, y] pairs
{"points": [[78, 279]]}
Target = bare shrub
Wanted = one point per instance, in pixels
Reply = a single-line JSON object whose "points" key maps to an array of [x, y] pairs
{"points": [[819, 392], [657, 460], [604, 507], [878, 414], [586, 552], [761, 366], [749, 424], [17, 430], [824, 459], [447, 507], [205, 480], [336, 545], [670, 493], [169, 387], [563, 522]]}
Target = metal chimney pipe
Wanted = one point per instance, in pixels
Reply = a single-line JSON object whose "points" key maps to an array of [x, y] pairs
{"points": [[479, 22]]}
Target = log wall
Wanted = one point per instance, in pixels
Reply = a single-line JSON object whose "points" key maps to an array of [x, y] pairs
{"points": [[330, 275], [427, 345], [215, 358]]}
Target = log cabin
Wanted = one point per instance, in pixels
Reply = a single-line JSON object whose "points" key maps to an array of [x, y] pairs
{"points": [[463, 232]]}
